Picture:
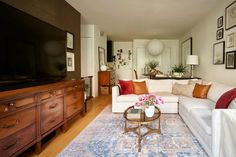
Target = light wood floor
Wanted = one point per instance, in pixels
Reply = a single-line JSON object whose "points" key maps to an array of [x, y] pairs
{"points": [[61, 140]]}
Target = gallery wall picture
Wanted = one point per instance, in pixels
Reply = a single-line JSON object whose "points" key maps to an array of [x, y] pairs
{"points": [[230, 16], [219, 53], [101, 57], [230, 40], [220, 34], [186, 49], [70, 61], [70, 41], [220, 22], [230, 60]]}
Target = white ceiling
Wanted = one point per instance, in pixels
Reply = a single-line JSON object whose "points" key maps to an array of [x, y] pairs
{"points": [[143, 19]]}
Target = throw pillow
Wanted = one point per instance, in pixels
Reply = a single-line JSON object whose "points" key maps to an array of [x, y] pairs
{"points": [[183, 89], [126, 87], [140, 87], [200, 91], [224, 101]]}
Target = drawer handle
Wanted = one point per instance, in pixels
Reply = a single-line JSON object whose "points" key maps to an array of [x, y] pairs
{"points": [[53, 106], [5, 126], [10, 145]]}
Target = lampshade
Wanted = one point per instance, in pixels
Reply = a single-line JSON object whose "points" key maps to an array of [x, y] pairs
{"points": [[192, 60], [155, 47]]}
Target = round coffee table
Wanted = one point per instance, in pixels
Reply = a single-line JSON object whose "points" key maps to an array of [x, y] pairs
{"points": [[137, 116]]}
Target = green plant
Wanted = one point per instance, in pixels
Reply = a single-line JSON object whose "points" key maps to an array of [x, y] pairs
{"points": [[179, 69], [153, 64]]}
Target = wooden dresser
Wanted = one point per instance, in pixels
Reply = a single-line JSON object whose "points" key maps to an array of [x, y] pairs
{"points": [[27, 115], [106, 79]]}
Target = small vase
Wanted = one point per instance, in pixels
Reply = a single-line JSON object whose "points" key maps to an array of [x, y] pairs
{"points": [[149, 112]]}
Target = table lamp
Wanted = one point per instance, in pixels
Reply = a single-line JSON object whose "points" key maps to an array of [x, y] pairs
{"points": [[192, 60]]}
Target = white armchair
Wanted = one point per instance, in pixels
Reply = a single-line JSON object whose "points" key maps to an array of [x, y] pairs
{"points": [[223, 133]]}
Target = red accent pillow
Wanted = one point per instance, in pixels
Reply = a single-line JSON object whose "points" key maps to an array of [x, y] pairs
{"points": [[225, 99], [127, 87]]}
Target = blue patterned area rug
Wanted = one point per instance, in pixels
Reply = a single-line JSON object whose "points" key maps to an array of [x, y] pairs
{"points": [[104, 137]]}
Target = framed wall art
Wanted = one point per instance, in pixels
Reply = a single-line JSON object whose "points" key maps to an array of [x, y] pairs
{"points": [[220, 22], [101, 56], [69, 41], [230, 60], [186, 49], [230, 16], [230, 40], [70, 61], [219, 53], [220, 34]]}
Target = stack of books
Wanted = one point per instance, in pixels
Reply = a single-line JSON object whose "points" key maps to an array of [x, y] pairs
{"points": [[134, 114]]}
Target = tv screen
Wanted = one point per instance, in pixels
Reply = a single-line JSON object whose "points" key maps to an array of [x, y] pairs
{"points": [[32, 52]]}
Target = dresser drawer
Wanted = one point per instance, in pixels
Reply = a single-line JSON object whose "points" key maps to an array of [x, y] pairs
{"points": [[15, 142], [17, 121], [49, 94], [51, 114], [74, 108], [8, 106], [76, 87], [72, 98]]}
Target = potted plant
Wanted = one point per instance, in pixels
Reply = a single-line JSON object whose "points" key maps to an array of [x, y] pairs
{"points": [[148, 102], [178, 71], [152, 65]]}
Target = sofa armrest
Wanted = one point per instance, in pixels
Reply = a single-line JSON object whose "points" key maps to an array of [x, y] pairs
{"points": [[223, 136], [115, 93]]}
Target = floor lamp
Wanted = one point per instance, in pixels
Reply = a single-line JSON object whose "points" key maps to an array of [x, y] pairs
{"points": [[192, 60]]}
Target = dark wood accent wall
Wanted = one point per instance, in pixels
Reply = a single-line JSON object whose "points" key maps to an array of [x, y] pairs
{"points": [[60, 14]]}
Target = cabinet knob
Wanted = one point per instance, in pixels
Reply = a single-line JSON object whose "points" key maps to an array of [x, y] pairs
{"points": [[6, 109], [11, 104]]}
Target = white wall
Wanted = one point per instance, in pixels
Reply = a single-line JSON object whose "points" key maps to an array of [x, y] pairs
{"points": [[167, 59], [91, 39], [204, 36], [123, 72]]}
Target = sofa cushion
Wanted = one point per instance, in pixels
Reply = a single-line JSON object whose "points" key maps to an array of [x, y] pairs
{"points": [[203, 118], [159, 86], [183, 89], [128, 98], [192, 103], [126, 87], [140, 87], [217, 90], [200, 91], [166, 96], [180, 81]]}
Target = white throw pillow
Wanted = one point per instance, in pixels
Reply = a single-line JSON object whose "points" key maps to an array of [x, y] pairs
{"points": [[183, 89]]}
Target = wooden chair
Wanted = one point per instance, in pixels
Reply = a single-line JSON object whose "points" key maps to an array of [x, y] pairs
{"points": [[136, 75]]}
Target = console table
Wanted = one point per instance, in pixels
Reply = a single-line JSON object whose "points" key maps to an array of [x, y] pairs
{"points": [[174, 78]]}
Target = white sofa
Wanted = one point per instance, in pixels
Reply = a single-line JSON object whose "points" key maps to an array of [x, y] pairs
{"points": [[162, 88], [199, 114]]}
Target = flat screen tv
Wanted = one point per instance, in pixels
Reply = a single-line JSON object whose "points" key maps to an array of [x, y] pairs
{"points": [[32, 52]]}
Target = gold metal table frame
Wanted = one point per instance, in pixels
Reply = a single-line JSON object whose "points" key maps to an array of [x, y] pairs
{"points": [[142, 121]]}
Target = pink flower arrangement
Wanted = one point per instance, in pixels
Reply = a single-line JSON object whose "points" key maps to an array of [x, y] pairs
{"points": [[147, 100]]}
